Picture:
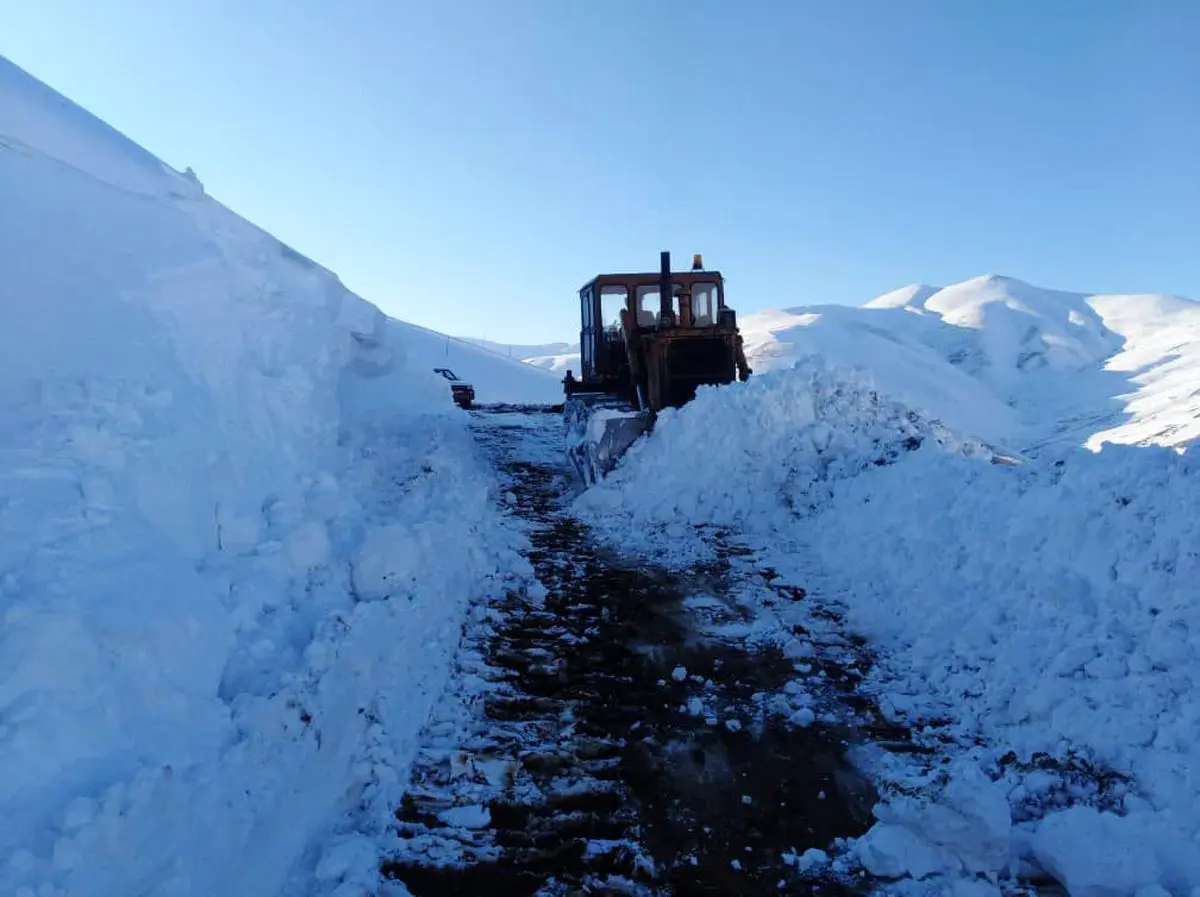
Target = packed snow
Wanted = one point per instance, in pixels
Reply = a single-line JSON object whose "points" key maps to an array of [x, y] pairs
{"points": [[1035, 623], [240, 525]]}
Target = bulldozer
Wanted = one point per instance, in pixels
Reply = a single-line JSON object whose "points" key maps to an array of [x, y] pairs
{"points": [[647, 342]]}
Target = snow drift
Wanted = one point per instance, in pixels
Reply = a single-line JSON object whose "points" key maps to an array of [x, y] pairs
{"points": [[1049, 610], [756, 456], [1040, 619], [222, 625]]}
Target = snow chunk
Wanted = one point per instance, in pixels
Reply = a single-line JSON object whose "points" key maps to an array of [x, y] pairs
{"points": [[804, 717], [471, 817], [893, 851], [810, 859], [1092, 854], [973, 887], [970, 821], [346, 856]]}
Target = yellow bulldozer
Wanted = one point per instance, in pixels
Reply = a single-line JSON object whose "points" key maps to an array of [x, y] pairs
{"points": [[647, 342]]}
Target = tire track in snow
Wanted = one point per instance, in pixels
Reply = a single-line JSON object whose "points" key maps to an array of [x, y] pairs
{"points": [[600, 744]]}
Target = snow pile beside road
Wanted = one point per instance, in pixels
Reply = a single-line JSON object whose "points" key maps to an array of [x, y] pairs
{"points": [[238, 535], [1087, 569], [1042, 618], [758, 455], [1050, 610]]}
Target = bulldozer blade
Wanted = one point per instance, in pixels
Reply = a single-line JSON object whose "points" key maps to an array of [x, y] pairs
{"points": [[600, 441]]}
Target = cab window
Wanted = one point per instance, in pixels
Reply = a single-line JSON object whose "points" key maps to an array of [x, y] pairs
{"points": [[648, 305], [612, 301], [704, 304]]}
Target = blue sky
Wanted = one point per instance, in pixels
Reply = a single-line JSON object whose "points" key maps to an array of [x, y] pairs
{"points": [[467, 164]]}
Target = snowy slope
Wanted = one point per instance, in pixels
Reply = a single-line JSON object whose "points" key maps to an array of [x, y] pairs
{"points": [[1010, 361], [521, 350], [213, 461], [1034, 625], [558, 363], [898, 349], [557, 358]]}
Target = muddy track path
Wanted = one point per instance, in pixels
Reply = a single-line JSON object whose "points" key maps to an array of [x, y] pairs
{"points": [[603, 747]]}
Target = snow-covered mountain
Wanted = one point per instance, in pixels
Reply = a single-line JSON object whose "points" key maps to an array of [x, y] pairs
{"points": [[1010, 361], [557, 363], [1003, 359], [215, 461]]}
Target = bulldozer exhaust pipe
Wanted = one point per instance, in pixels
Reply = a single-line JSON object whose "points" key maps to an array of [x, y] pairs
{"points": [[665, 291]]}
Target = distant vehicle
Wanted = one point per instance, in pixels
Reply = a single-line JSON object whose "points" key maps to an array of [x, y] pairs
{"points": [[462, 392]]}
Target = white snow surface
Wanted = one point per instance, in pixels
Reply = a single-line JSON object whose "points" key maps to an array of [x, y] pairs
{"points": [[240, 526], [1048, 609]]}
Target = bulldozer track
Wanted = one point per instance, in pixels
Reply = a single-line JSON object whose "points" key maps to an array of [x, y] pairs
{"points": [[613, 750]]}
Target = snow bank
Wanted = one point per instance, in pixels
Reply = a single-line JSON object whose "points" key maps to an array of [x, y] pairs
{"points": [[1084, 569], [906, 352], [239, 527], [756, 455], [1049, 609], [1042, 618]]}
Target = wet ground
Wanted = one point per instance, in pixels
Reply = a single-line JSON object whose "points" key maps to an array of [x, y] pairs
{"points": [[602, 744]]}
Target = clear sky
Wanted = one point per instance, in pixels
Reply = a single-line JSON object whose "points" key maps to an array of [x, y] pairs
{"points": [[468, 164]]}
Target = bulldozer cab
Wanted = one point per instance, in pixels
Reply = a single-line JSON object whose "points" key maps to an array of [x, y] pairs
{"points": [[652, 338], [646, 342], [696, 301]]}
